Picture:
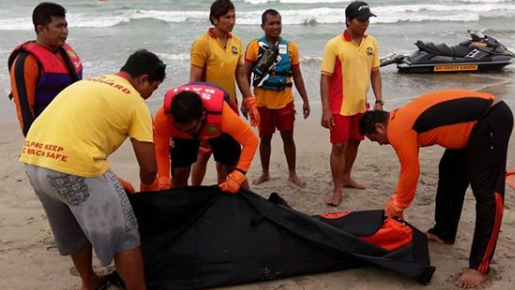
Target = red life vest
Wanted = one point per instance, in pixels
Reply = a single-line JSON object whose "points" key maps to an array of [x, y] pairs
{"points": [[212, 100], [55, 75]]}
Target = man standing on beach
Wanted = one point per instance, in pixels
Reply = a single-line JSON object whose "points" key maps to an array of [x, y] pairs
{"points": [[350, 65], [198, 112], [217, 57], [42, 68], [65, 155], [274, 61], [475, 130]]}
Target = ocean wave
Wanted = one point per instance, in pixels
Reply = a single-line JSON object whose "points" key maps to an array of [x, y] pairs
{"points": [[324, 15], [257, 2], [480, 1], [174, 57]]}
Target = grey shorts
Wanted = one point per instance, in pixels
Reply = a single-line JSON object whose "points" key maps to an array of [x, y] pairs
{"points": [[81, 209]]}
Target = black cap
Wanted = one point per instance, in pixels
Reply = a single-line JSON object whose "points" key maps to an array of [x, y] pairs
{"points": [[359, 10]]}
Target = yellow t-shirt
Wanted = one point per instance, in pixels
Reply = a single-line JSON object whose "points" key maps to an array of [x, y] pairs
{"points": [[219, 62], [84, 124], [349, 66], [273, 99]]}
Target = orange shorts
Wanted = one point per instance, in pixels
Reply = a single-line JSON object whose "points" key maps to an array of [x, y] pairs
{"points": [[345, 127], [282, 119]]}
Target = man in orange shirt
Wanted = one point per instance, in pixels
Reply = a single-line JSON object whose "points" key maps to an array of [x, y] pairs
{"points": [[273, 90], [199, 112], [475, 130], [217, 58], [42, 68], [350, 65]]}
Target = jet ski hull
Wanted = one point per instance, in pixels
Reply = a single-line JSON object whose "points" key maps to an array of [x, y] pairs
{"points": [[451, 67], [474, 55]]}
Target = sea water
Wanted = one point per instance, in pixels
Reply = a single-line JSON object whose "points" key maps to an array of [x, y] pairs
{"points": [[105, 32]]}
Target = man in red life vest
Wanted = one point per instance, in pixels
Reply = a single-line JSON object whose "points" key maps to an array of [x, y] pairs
{"points": [[200, 112], [42, 68]]}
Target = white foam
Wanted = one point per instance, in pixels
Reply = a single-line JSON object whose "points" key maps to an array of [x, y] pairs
{"points": [[324, 15], [257, 2], [479, 1], [174, 57]]}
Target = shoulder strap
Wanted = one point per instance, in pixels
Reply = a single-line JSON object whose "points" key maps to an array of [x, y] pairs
{"points": [[19, 76], [69, 64]]}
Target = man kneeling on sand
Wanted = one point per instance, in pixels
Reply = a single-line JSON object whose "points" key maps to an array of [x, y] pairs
{"points": [[475, 130]]}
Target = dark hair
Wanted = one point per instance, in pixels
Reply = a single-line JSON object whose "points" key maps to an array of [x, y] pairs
{"points": [[367, 124], [219, 8], [271, 12], [145, 62], [187, 107], [43, 13]]}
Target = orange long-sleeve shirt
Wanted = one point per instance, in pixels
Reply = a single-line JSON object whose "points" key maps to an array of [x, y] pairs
{"points": [[444, 118], [231, 124], [30, 76], [31, 72]]}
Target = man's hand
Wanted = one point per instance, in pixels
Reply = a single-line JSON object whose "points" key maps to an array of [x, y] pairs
{"points": [[160, 183], [392, 209], [306, 110], [127, 185], [250, 103], [233, 182], [378, 107], [164, 182], [244, 110], [327, 120]]}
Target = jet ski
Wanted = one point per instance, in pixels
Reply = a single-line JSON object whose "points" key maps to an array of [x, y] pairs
{"points": [[476, 54]]}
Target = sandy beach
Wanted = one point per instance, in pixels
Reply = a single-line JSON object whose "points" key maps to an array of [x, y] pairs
{"points": [[30, 259]]}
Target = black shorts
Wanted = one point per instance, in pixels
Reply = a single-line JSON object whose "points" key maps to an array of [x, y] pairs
{"points": [[184, 151]]}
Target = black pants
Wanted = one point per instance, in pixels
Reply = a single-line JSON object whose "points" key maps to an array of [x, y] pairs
{"points": [[482, 164]]}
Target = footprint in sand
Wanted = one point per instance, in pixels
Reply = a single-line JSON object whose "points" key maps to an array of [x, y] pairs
{"points": [[49, 242]]}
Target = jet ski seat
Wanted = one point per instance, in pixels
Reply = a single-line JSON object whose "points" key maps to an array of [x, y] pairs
{"points": [[443, 49]]}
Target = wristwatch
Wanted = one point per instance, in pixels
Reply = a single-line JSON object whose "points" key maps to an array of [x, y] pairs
{"points": [[381, 102]]}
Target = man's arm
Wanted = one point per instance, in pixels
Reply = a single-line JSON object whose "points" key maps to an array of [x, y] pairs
{"points": [[196, 73], [146, 157], [162, 144], [24, 75], [244, 72], [299, 84], [248, 106], [327, 116], [375, 79], [199, 55], [243, 134], [406, 146]]}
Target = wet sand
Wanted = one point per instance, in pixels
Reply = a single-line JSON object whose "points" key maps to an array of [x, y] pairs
{"points": [[30, 259]]}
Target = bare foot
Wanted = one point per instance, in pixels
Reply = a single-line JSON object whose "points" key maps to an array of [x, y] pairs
{"points": [[296, 179], [434, 238], [336, 199], [353, 184], [470, 279], [94, 282], [261, 179]]}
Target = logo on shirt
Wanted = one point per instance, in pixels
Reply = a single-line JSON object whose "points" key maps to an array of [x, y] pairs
{"points": [[370, 51], [234, 50], [212, 129], [71, 54]]}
